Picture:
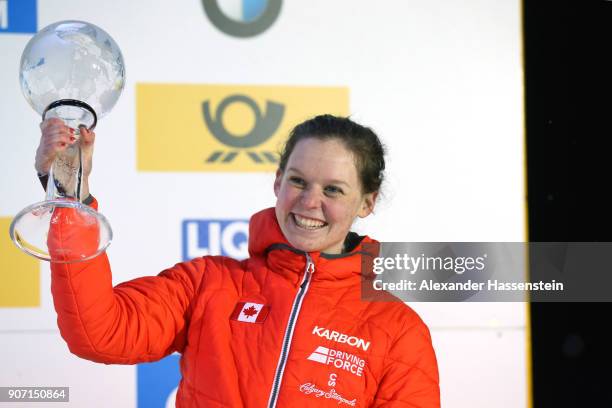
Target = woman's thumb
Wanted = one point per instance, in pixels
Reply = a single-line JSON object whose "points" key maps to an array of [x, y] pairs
{"points": [[87, 135]]}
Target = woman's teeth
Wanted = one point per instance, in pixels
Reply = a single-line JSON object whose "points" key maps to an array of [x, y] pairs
{"points": [[308, 223]]}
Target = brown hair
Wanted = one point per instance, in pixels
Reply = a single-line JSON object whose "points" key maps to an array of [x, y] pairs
{"points": [[360, 140]]}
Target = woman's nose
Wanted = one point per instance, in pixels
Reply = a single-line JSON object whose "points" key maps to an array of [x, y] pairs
{"points": [[310, 198]]}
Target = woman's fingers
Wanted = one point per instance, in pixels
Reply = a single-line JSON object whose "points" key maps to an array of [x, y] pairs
{"points": [[51, 122], [55, 138], [87, 146], [56, 133], [88, 136]]}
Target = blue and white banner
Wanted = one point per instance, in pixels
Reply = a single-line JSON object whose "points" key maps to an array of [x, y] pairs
{"points": [[215, 237], [18, 16]]}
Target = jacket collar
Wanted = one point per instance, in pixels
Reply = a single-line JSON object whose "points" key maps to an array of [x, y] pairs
{"points": [[267, 240]]}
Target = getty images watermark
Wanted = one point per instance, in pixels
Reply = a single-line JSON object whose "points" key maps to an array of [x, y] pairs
{"points": [[487, 272]]}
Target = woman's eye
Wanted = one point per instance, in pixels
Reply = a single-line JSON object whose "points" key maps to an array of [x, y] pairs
{"points": [[333, 190], [297, 181]]}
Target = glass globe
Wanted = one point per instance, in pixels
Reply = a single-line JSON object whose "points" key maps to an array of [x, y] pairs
{"points": [[72, 61], [74, 71]]}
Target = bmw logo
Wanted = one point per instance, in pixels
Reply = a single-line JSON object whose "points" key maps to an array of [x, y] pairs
{"points": [[242, 18]]}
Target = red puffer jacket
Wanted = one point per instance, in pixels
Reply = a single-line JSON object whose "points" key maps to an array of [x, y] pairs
{"points": [[282, 328]]}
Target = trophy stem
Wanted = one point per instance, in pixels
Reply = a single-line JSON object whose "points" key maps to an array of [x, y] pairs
{"points": [[79, 179], [53, 188], [66, 174], [50, 190]]}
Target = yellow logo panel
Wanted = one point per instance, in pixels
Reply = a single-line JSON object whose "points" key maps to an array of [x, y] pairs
{"points": [[19, 273], [224, 127]]}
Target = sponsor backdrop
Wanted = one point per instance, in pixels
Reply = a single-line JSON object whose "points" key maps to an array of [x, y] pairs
{"points": [[189, 153]]}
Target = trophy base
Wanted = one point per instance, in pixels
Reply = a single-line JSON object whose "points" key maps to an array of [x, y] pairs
{"points": [[61, 231]]}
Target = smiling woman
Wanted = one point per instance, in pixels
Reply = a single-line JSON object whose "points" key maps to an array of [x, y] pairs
{"points": [[319, 195], [329, 174], [286, 327]]}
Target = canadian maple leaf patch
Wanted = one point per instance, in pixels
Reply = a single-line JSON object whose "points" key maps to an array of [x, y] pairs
{"points": [[250, 312]]}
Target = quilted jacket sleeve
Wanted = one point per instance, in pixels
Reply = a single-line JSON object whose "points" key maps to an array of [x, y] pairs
{"points": [[411, 376], [136, 321]]}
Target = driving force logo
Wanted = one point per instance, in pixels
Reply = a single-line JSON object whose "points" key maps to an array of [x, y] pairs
{"points": [[341, 338], [242, 18], [223, 128], [339, 359]]}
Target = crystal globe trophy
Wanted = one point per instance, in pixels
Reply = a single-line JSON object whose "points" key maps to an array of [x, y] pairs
{"points": [[74, 71]]}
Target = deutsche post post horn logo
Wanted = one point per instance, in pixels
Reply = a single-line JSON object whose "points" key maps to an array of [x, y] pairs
{"points": [[224, 128], [242, 18], [265, 126]]}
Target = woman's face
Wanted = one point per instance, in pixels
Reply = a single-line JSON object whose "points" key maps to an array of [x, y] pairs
{"points": [[319, 195]]}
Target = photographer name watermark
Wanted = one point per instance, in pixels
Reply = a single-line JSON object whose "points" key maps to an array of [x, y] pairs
{"points": [[489, 285], [487, 272]]}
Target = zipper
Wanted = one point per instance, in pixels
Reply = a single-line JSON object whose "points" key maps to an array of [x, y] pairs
{"points": [[295, 311]]}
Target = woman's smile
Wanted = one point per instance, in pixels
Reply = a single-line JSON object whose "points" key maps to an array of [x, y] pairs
{"points": [[307, 223]]}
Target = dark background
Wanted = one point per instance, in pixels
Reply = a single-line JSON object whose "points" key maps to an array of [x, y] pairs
{"points": [[567, 49]]}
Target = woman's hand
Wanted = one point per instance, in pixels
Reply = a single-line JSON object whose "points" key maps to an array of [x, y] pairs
{"points": [[58, 143], [87, 145], [55, 138]]}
